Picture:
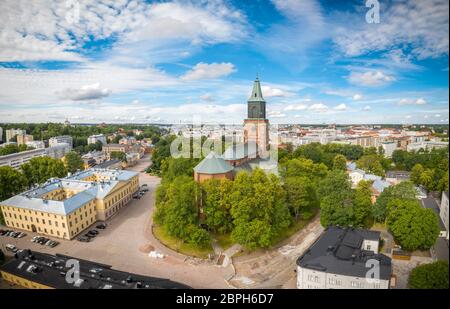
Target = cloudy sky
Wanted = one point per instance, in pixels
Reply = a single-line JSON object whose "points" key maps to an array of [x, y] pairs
{"points": [[170, 61]]}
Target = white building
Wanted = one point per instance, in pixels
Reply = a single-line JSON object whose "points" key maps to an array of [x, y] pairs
{"points": [[428, 145], [60, 139], [15, 160], [443, 211], [1, 134], [58, 151], [35, 144], [389, 148], [356, 176], [344, 259], [93, 139], [13, 132]]}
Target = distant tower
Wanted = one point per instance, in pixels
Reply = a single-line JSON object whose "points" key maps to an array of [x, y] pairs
{"points": [[256, 126]]}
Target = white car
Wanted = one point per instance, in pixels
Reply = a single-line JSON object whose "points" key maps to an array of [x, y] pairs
{"points": [[11, 248]]}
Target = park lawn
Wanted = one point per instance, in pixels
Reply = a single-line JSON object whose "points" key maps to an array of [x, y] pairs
{"points": [[180, 246], [224, 241]]}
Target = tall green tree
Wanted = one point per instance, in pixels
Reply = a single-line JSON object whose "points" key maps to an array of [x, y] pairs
{"points": [[39, 170], [340, 162], [362, 204], [217, 204], [404, 190], [301, 196], [371, 163], [412, 226], [12, 182], [258, 209], [429, 276], [73, 162]]}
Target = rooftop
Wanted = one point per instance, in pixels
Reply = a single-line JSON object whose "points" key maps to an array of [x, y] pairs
{"points": [[85, 191], [338, 251], [50, 270], [241, 151], [213, 164]]}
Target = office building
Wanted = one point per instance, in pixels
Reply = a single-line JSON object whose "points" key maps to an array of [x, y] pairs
{"points": [[22, 139], [15, 160]]}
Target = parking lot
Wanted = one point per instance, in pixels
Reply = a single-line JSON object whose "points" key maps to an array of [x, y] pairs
{"points": [[125, 241]]}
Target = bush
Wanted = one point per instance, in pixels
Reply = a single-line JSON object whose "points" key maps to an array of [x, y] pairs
{"points": [[429, 276]]}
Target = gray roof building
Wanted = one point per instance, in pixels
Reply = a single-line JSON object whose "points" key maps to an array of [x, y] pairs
{"points": [[339, 251]]}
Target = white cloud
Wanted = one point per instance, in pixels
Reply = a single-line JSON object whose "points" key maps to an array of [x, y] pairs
{"points": [[370, 78], [276, 114], [416, 25], [437, 115], [340, 107], [419, 101], [318, 108], [296, 107], [209, 71], [367, 108], [207, 97], [54, 34], [43, 86], [86, 92], [357, 97], [269, 92], [408, 116]]}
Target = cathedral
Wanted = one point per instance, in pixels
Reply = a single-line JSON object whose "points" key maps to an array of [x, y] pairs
{"points": [[253, 152]]}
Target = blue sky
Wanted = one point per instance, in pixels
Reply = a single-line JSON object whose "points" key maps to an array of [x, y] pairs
{"points": [[170, 61]]}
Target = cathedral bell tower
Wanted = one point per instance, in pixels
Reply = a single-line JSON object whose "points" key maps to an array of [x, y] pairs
{"points": [[256, 126]]}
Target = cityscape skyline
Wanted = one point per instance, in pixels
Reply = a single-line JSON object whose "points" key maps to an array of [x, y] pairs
{"points": [[319, 62]]}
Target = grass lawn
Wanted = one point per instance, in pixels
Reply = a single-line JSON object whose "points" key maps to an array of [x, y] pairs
{"points": [[224, 241], [179, 246]]}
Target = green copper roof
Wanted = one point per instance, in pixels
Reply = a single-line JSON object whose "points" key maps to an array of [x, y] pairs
{"points": [[256, 92], [213, 164]]}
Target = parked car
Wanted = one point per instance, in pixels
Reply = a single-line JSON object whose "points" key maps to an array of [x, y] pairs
{"points": [[101, 226], [35, 238], [93, 232], [42, 240], [21, 235], [2, 232], [89, 235], [84, 239], [15, 234], [11, 248], [52, 243]]}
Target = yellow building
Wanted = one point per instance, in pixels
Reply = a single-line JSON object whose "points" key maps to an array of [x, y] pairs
{"points": [[65, 207]]}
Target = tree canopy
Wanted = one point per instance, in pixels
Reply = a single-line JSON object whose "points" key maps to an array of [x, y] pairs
{"points": [[39, 170], [412, 226], [73, 162], [429, 276]]}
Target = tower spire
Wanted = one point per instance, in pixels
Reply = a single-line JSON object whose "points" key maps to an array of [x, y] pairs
{"points": [[256, 95]]}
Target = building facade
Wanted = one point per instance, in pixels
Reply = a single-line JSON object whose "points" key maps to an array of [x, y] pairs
{"points": [[22, 139], [93, 139], [15, 160], [53, 141], [344, 259], [64, 207], [13, 132]]}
